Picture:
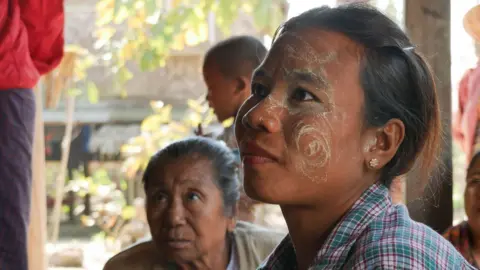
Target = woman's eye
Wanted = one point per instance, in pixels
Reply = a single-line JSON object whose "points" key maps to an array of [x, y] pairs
{"points": [[159, 197], [474, 181], [301, 94], [192, 196], [259, 90]]}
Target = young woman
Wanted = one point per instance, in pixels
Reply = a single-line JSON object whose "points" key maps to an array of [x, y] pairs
{"points": [[342, 105]]}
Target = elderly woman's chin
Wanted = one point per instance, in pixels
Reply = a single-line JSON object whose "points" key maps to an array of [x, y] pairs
{"points": [[178, 255]]}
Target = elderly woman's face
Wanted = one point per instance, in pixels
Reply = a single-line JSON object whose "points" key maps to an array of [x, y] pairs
{"points": [[300, 132], [185, 210], [472, 195]]}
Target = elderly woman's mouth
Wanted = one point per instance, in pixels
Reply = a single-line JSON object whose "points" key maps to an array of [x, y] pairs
{"points": [[179, 243]]}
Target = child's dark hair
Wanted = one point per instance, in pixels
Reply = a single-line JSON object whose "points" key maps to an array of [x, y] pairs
{"points": [[396, 80], [236, 56]]}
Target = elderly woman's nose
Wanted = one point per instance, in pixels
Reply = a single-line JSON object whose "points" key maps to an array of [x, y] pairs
{"points": [[176, 213], [265, 115]]}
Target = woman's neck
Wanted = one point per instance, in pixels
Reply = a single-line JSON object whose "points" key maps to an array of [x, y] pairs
{"points": [[309, 227]]}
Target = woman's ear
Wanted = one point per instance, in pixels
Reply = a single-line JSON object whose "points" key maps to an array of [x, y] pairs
{"points": [[381, 144], [242, 84]]}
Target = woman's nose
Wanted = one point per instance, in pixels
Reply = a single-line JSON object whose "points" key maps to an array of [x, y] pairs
{"points": [[176, 213], [266, 115]]}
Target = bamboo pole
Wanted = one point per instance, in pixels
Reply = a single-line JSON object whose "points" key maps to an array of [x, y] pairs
{"points": [[37, 230], [60, 181]]}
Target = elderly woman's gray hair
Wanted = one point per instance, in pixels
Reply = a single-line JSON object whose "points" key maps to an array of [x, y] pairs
{"points": [[223, 161]]}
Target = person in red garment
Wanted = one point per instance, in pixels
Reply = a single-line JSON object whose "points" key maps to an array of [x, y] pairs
{"points": [[31, 44]]}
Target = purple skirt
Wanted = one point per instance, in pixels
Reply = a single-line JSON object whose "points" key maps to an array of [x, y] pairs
{"points": [[17, 121]]}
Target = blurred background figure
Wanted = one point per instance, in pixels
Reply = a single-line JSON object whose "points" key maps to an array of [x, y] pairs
{"points": [[227, 71], [465, 237], [465, 121], [31, 44], [192, 191]]}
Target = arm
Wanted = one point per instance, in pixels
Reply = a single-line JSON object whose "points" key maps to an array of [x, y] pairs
{"points": [[44, 21]]}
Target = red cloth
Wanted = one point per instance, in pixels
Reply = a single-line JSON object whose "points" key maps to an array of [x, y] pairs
{"points": [[31, 40], [465, 119]]}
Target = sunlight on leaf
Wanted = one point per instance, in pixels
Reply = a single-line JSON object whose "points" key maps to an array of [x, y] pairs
{"points": [[92, 92], [74, 92], [87, 221], [128, 212], [228, 123], [157, 105]]}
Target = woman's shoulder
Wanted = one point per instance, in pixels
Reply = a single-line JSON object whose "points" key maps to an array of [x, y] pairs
{"points": [[258, 232], [397, 240], [138, 256], [254, 238]]}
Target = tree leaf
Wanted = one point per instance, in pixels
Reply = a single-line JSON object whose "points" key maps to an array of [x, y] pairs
{"points": [[228, 123], [92, 92], [128, 212], [74, 91]]}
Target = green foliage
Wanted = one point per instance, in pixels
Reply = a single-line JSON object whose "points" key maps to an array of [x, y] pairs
{"points": [[158, 130], [152, 29], [82, 62]]}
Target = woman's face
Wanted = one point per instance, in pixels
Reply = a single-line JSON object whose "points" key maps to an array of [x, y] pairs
{"points": [[472, 195], [185, 210], [300, 132]]}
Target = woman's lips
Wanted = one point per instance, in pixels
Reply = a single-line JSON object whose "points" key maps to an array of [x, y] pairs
{"points": [[253, 154], [179, 244], [256, 160]]}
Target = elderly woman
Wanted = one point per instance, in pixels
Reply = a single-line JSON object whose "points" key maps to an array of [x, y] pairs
{"points": [[192, 191], [342, 105], [465, 237]]}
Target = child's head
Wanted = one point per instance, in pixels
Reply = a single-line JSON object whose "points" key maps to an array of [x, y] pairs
{"points": [[227, 70]]}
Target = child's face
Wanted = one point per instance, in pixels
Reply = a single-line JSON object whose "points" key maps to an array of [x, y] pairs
{"points": [[223, 95]]}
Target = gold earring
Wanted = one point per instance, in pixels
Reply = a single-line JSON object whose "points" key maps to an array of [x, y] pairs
{"points": [[373, 163]]}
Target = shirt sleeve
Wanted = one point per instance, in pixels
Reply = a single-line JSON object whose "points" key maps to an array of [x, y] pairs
{"points": [[44, 21]]}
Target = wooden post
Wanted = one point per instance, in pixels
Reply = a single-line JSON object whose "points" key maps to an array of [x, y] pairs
{"points": [[428, 25], [37, 231], [60, 181]]}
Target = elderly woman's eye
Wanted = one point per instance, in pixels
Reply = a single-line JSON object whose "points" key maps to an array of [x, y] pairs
{"points": [[301, 94], [160, 196], [259, 90], [192, 196]]}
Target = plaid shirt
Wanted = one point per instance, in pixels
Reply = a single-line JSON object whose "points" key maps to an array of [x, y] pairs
{"points": [[462, 239], [375, 234]]}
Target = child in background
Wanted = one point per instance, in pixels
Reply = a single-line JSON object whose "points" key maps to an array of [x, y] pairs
{"points": [[227, 71]]}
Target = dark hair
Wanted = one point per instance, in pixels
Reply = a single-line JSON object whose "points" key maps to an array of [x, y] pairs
{"points": [[396, 80], [472, 161], [236, 56], [223, 165]]}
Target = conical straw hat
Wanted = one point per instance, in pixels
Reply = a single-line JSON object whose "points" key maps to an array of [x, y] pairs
{"points": [[471, 22]]}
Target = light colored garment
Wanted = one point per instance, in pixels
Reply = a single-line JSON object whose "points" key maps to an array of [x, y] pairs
{"points": [[252, 244], [228, 136], [376, 234], [233, 263], [465, 119]]}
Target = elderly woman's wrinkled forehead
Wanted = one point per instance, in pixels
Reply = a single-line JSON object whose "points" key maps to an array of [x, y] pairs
{"points": [[313, 47]]}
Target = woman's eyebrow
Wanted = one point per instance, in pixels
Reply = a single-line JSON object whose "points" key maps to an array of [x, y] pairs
{"points": [[307, 76], [473, 173]]}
